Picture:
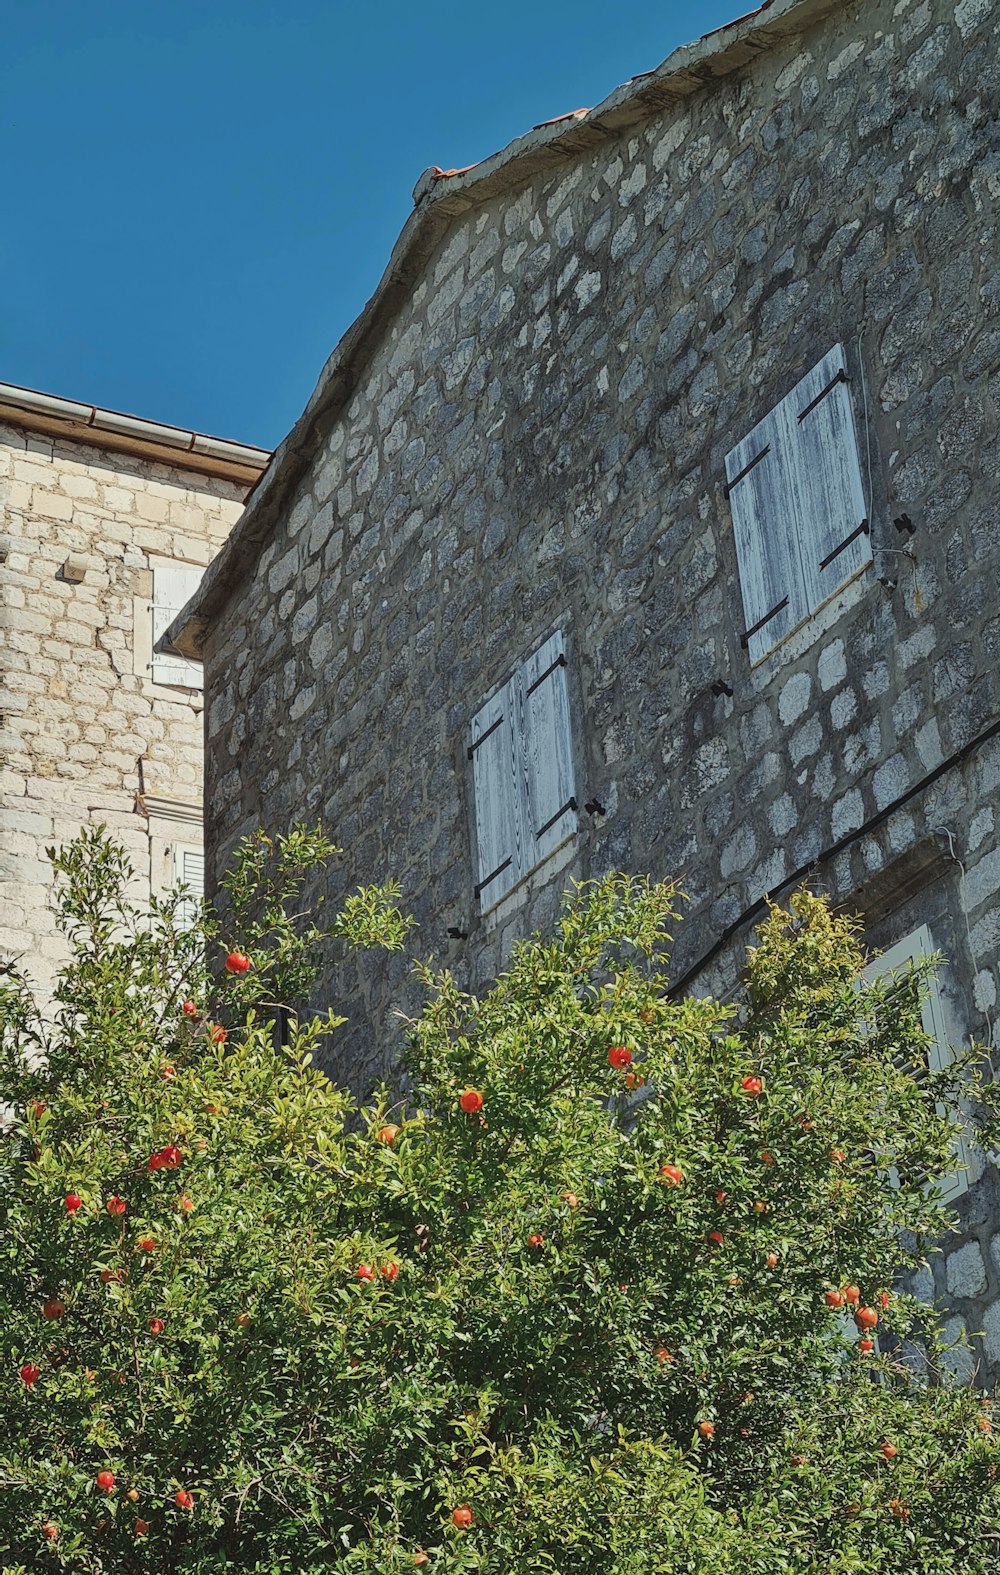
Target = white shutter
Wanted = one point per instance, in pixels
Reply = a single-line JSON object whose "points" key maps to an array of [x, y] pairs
{"points": [[498, 830], [797, 501], [834, 531], [173, 586], [766, 540], [900, 960], [189, 870], [545, 750]]}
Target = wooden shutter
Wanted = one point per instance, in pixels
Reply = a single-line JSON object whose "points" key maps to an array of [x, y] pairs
{"points": [[495, 786], [189, 870], [545, 750], [766, 540], [823, 454], [900, 961], [797, 501], [173, 586]]}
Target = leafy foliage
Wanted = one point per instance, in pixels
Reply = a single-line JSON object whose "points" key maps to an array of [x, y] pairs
{"points": [[557, 1302]]}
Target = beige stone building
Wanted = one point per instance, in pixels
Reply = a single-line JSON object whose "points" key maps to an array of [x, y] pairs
{"points": [[107, 522]]}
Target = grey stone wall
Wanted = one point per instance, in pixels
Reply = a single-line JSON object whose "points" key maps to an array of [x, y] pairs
{"points": [[538, 442]]}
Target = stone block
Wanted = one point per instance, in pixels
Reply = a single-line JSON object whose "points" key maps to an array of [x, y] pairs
{"points": [[966, 1271]]}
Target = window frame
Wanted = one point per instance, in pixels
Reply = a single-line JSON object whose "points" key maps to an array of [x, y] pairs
{"points": [[906, 954]]}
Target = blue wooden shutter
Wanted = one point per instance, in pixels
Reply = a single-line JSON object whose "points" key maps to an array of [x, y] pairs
{"points": [[836, 540], [545, 750], [495, 787], [766, 539]]}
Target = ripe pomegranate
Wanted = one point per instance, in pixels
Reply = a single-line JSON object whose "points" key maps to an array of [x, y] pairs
{"points": [[146, 1244], [570, 1198], [752, 1086], [30, 1374], [852, 1294], [760, 1207], [72, 1202], [834, 1299], [167, 1072], [189, 1009], [889, 1450], [866, 1347], [390, 1271], [141, 1527], [53, 1308], [662, 1354], [156, 1326], [671, 1175], [706, 1429], [420, 1558], [237, 962], [462, 1517], [715, 1237], [535, 1240], [387, 1134], [721, 1198], [471, 1101], [619, 1057], [883, 1300], [183, 1499], [185, 1204], [171, 1156], [217, 1034], [364, 1271], [837, 1156], [116, 1205], [38, 1109], [866, 1317], [772, 1260], [105, 1481], [982, 1422], [50, 1530]]}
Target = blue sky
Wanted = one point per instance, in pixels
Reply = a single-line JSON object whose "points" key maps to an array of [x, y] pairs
{"points": [[201, 195]]}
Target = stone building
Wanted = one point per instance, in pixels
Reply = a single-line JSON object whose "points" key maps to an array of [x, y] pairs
{"points": [[646, 517], [106, 524]]}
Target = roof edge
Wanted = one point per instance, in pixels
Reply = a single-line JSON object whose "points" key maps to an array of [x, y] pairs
{"points": [[114, 429], [438, 198]]}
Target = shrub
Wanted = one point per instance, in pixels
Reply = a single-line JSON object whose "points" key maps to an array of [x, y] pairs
{"points": [[558, 1301]]}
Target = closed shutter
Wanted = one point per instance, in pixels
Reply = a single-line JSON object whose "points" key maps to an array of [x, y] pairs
{"points": [[836, 539], [189, 870], [545, 750], [797, 500], [173, 587], [495, 786], [766, 538], [899, 961]]}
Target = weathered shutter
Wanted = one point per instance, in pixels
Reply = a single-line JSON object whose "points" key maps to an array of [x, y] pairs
{"points": [[189, 870], [900, 961], [823, 470], [496, 792], [766, 540], [173, 586], [545, 750]]}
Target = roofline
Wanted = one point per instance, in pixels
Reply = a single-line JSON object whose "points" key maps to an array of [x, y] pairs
{"points": [[438, 198], [113, 429]]}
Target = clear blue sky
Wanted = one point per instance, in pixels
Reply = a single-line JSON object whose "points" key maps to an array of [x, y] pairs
{"points": [[201, 195]]}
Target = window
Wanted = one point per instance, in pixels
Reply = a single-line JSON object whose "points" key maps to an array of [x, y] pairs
{"points": [[522, 770], [799, 514], [173, 585], [899, 961], [188, 869]]}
